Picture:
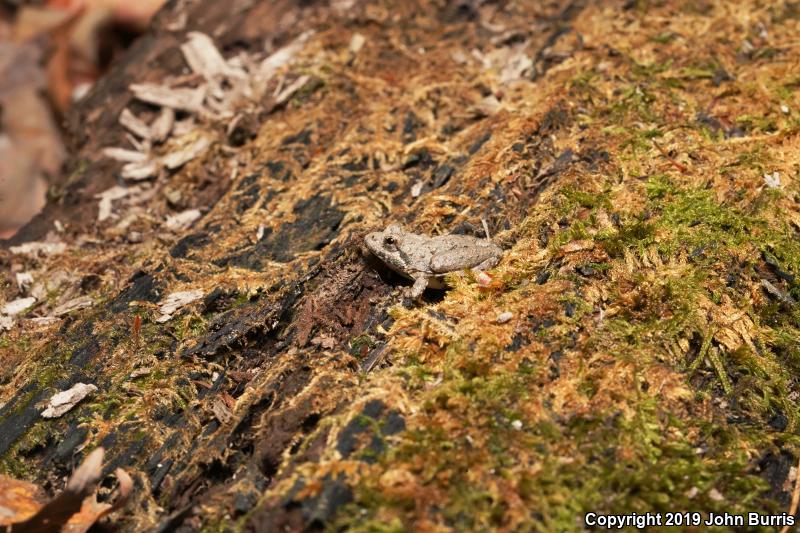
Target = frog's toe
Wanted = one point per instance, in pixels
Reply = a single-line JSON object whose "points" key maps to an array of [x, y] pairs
{"points": [[419, 287], [482, 277]]}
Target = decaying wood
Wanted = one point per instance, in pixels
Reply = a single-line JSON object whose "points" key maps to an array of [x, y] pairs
{"points": [[199, 270]]}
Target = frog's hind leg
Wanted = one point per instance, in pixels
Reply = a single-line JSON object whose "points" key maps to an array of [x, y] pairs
{"points": [[453, 260], [419, 287], [480, 270], [486, 264]]}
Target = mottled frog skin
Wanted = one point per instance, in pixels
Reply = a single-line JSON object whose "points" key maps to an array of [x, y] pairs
{"points": [[427, 259]]}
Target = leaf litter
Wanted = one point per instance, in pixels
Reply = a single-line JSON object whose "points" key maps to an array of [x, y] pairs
{"points": [[645, 349]]}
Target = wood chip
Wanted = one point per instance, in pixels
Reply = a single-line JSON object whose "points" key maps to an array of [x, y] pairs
{"points": [[459, 57], [777, 293], [502, 318], [203, 57], [43, 320], [17, 306], [374, 358], [516, 67], [772, 180], [357, 42], [182, 220], [175, 301], [82, 302], [108, 196], [140, 171], [180, 157], [221, 411], [178, 23], [6, 322], [140, 145], [134, 124], [576, 246], [24, 281], [38, 247], [269, 66], [176, 98], [483, 278], [140, 372], [124, 155], [162, 126], [64, 401], [293, 87], [183, 127], [488, 106], [324, 341]]}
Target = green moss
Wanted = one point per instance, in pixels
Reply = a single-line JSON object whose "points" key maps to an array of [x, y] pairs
{"points": [[636, 146], [695, 219], [194, 327], [242, 299], [575, 197], [20, 344], [760, 124], [582, 83], [154, 338], [14, 462], [647, 71], [698, 72], [663, 38], [605, 461], [304, 93], [13, 466], [600, 462], [636, 235], [578, 230], [107, 404], [659, 186], [35, 437], [55, 193], [360, 344]]}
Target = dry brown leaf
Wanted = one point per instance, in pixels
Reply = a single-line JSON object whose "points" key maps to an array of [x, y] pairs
{"points": [[73, 510]]}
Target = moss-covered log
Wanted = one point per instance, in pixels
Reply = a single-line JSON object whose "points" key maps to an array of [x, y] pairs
{"points": [[638, 161]]}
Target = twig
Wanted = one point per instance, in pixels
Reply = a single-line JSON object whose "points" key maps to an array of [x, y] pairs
{"points": [[374, 358], [135, 329], [777, 293], [702, 354], [677, 165], [795, 498]]}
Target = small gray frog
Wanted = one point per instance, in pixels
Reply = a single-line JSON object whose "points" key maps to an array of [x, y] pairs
{"points": [[427, 259]]}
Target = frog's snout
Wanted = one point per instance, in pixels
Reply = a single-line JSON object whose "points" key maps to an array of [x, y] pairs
{"points": [[372, 240]]}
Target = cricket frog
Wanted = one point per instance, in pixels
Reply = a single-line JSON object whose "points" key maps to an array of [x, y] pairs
{"points": [[427, 259]]}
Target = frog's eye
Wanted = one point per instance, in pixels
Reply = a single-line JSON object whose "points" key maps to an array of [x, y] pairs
{"points": [[389, 241]]}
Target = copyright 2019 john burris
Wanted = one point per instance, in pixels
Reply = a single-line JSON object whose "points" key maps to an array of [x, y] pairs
{"points": [[597, 521]]}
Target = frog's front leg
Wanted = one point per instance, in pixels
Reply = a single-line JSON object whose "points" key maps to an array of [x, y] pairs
{"points": [[419, 287]]}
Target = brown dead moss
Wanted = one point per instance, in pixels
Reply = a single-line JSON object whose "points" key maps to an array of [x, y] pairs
{"points": [[651, 327], [645, 367]]}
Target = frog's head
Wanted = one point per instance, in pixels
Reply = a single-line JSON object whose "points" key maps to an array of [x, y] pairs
{"points": [[386, 244]]}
